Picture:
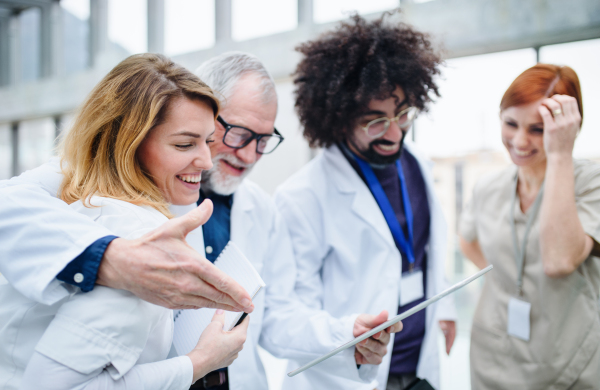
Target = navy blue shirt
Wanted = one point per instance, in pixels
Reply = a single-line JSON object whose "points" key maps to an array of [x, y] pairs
{"points": [[407, 344], [217, 232], [86, 264]]}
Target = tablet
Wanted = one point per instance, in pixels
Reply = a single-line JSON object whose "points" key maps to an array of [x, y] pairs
{"points": [[391, 322]]}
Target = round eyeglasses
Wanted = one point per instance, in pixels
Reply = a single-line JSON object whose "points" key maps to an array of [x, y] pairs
{"points": [[237, 137], [378, 127]]}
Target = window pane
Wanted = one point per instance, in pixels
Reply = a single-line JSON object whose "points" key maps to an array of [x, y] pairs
{"points": [[189, 25], [257, 18], [584, 59], [465, 118], [36, 142], [5, 152], [29, 33], [75, 19], [332, 10], [128, 25]]}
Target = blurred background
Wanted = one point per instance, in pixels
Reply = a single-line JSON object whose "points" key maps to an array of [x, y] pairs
{"points": [[53, 52]]}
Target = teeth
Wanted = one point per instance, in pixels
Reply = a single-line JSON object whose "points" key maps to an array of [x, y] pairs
{"points": [[190, 178], [522, 154], [387, 147]]}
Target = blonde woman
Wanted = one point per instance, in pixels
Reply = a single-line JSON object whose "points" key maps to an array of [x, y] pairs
{"points": [[138, 144], [538, 222]]}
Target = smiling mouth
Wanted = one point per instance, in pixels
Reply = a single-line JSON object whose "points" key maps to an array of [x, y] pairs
{"points": [[189, 178], [236, 167], [523, 154]]}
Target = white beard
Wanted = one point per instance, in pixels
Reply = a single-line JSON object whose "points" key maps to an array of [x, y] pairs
{"points": [[221, 183]]}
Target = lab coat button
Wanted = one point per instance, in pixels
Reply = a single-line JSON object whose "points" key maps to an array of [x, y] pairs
{"points": [[209, 249], [78, 278]]}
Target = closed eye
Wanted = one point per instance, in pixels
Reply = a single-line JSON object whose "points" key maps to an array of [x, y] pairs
{"points": [[186, 146]]}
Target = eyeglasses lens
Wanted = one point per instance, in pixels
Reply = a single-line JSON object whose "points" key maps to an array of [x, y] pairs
{"points": [[268, 144], [236, 137], [378, 127]]}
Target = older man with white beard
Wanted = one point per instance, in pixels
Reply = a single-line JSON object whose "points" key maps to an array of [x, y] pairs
{"points": [[246, 215]]}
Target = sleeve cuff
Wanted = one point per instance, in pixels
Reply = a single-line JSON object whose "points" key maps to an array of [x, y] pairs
{"points": [[83, 270]]}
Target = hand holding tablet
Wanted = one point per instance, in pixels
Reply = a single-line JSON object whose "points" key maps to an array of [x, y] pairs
{"points": [[391, 322]]}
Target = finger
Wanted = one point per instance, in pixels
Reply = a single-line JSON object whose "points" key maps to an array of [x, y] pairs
{"points": [[367, 353], [552, 104], [370, 356], [568, 104], [371, 321], [384, 338], [371, 345], [219, 316], [397, 327], [547, 117], [229, 292], [192, 220]]}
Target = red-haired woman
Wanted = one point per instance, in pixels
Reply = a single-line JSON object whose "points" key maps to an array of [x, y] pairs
{"points": [[537, 324]]}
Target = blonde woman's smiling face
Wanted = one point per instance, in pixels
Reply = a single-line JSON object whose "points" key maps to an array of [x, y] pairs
{"points": [[176, 152]]}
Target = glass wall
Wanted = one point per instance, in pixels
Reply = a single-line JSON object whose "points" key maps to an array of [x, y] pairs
{"points": [[75, 35], [36, 142], [189, 25], [332, 10], [128, 25], [257, 18], [30, 44], [6, 154]]}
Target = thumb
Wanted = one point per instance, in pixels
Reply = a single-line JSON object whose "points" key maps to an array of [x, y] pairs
{"points": [[219, 317], [181, 226]]}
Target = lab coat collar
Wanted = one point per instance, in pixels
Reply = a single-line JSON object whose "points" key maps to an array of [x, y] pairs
{"points": [[347, 181]]}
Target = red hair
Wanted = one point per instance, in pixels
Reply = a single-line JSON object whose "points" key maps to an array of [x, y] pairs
{"points": [[542, 81]]}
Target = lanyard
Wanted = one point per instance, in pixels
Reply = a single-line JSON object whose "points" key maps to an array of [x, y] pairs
{"points": [[520, 253], [406, 243]]}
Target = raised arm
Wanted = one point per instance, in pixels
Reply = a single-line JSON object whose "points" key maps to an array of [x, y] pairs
{"points": [[564, 243]]}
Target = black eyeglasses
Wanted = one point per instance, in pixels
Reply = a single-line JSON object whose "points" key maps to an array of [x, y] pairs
{"points": [[237, 137]]}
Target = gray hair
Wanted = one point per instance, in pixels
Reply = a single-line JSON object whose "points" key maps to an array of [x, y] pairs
{"points": [[222, 73]]}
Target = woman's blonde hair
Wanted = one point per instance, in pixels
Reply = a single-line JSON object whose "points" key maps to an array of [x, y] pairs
{"points": [[98, 154]]}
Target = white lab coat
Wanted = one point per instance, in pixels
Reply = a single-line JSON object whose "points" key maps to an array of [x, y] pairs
{"points": [[128, 331], [280, 323], [346, 256]]}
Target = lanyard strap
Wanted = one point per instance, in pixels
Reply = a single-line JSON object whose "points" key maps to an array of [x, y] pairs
{"points": [[406, 243], [520, 253]]}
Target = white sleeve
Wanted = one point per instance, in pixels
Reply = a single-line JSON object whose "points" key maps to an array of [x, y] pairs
{"points": [[45, 373], [40, 234], [295, 328]]}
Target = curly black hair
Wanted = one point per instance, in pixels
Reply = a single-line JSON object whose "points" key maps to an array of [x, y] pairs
{"points": [[344, 69]]}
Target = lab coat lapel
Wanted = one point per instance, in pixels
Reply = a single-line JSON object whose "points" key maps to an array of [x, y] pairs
{"points": [[241, 217], [348, 182]]}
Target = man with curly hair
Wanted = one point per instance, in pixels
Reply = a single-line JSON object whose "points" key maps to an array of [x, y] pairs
{"points": [[367, 229]]}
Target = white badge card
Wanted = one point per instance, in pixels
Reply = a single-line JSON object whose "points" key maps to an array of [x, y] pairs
{"points": [[411, 287], [518, 318]]}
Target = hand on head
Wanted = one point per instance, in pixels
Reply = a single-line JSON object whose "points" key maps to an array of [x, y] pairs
{"points": [[562, 122], [373, 349], [216, 347], [163, 269]]}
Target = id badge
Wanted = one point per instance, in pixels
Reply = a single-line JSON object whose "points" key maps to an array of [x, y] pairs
{"points": [[411, 287], [518, 318]]}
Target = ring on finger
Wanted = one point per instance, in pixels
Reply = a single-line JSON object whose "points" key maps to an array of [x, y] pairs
{"points": [[556, 112]]}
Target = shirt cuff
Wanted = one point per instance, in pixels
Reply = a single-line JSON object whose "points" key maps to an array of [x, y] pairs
{"points": [[83, 270]]}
